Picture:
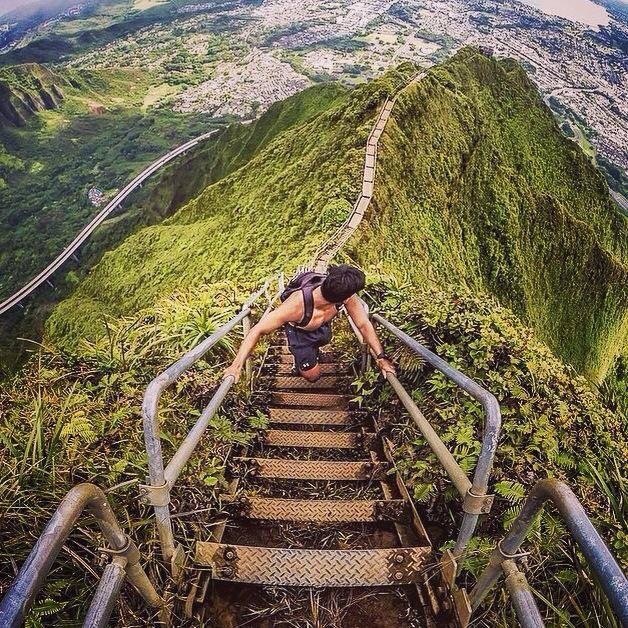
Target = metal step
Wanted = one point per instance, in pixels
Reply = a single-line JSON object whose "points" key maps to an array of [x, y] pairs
{"points": [[313, 568], [328, 440], [286, 358], [327, 510], [292, 382], [310, 417], [279, 349], [329, 368], [280, 468], [312, 400]]}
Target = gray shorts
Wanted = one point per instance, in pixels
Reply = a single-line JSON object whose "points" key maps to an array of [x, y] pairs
{"points": [[304, 345]]}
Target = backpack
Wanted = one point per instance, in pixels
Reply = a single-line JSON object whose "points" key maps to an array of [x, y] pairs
{"points": [[307, 281]]}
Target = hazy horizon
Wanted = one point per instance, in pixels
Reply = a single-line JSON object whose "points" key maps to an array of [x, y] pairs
{"points": [[9, 5], [6, 6]]}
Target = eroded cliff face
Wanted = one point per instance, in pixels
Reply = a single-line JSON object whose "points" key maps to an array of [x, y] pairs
{"points": [[27, 89], [478, 188]]}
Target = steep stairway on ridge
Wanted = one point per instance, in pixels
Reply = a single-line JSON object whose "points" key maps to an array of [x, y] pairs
{"points": [[316, 503]]}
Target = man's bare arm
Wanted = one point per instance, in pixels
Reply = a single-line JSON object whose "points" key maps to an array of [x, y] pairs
{"points": [[360, 319], [289, 311]]}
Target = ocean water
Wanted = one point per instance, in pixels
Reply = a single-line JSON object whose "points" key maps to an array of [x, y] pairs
{"points": [[583, 11]]}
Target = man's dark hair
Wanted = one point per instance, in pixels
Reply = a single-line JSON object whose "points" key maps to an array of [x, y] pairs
{"points": [[342, 281]]}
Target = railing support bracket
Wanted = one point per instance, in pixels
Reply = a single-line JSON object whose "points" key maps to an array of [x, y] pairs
{"points": [[129, 552], [474, 504], [155, 495], [506, 555]]}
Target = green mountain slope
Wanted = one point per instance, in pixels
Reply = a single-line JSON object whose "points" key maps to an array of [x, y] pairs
{"points": [[479, 188], [63, 132], [267, 215], [482, 208], [476, 185]]}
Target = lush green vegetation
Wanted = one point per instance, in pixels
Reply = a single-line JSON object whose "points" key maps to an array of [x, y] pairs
{"points": [[554, 425], [482, 208], [69, 418], [265, 216], [496, 199], [98, 136]]}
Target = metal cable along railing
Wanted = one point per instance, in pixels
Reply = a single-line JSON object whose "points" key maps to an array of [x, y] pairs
{"points": [[125, 562], [476, 501]]}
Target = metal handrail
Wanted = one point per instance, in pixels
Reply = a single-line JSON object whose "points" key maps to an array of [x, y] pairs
{"points": [[162, 479], [523, 601], [609, 574], [597, 554], [474, 494], [18, 600]]}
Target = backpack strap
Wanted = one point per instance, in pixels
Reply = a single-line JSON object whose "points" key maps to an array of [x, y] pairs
{"points": [[308, 305]]}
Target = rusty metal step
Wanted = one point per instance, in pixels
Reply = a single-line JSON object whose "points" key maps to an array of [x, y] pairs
{"points": [[313, 568], [283, 469], [310, 417], [296, 382], [311, 400], [329, 368], [326, 510], [328, 440], [279, 349], [286, 358]]}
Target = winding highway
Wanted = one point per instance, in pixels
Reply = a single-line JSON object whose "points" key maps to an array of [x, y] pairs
{"points": [[47, 272]]}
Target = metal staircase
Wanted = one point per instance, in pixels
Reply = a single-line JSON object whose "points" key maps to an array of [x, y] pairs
{"points": [[330, 448]]}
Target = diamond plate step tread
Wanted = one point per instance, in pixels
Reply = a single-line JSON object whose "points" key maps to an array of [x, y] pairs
{"points": [[313, 568], [288, 382], [282, 469], [310, 417], [324, 510], [328, 440], [312, 400], [328, 368]]}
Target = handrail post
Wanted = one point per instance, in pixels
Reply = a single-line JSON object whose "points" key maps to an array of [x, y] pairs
{"points": [[21, 594], [522, 599], [476, 498], [106, 595], [246, 328], [157, 491], [156, 476]]}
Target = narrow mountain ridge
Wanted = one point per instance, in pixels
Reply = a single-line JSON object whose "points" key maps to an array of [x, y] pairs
{"points": [[475, 184], [478, 186], [269, 214]]}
